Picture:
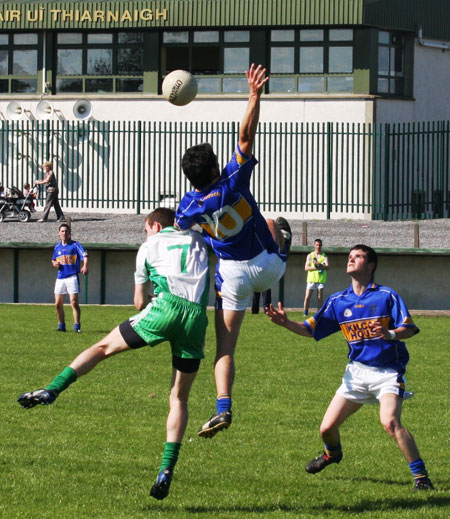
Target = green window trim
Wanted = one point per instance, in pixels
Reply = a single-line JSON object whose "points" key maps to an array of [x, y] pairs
{"points": [[20, 54]]}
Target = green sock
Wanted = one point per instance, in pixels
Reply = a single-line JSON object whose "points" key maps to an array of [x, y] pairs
{"points": [[170, 455], [63, 380]]}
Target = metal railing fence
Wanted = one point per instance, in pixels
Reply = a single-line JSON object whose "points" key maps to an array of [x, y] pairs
{"points": [[318, 170]]}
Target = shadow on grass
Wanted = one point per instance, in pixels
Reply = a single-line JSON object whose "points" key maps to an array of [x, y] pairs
{"points": [[216, 509], [393, 504], [366, 505]]}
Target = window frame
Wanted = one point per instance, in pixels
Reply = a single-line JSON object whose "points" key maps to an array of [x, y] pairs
{"points": [[326, 44], [115, 77], [399, 81], [10, 47], [221, 77]]}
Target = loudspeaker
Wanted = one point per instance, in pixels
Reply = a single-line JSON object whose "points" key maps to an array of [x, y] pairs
{"points": [[14, 111], [44, 110], [82, 109]]}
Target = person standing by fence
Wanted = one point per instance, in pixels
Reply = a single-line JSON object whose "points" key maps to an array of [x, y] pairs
{"points": [[52, 193], [316, 266]]}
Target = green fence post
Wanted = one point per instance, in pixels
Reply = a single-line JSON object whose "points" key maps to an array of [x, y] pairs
{"points": [[329, 169], [138, 169], [85, 289], [16, 276], [102, 276], [387, 143]]}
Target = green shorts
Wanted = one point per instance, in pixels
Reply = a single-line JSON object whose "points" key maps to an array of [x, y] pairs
{"points": [[173, 319]]}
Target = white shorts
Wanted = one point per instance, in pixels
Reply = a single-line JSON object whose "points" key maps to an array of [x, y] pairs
{"points": [[366, 385], [68, 285], [237, 280], [315, 286]]}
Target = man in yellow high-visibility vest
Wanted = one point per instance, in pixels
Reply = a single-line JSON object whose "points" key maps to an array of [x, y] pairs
{"points": [[316, 266]]}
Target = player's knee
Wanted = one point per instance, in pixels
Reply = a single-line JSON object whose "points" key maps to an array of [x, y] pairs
{"points": [[390, 425]]}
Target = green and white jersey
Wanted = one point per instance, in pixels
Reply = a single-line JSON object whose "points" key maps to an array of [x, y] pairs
{"points": [[176, 262]]}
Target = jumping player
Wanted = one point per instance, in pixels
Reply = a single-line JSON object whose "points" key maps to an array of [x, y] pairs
{"points": [[176, 262], [374, 320], [67, 257], [249, 259]]}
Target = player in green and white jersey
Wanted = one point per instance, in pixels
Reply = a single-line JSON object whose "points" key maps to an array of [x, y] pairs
{"points": [[176, 263]]}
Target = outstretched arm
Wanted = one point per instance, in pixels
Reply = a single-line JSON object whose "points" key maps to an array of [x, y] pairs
{"points": [[279, 316], [256, 81]]}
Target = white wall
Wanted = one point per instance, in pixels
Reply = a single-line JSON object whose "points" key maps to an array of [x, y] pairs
{"points": [[403, 272], [208, 108], [431, 90]]}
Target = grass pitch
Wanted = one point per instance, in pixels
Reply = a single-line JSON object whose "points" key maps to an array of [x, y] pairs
{"points": [[95, 452]]}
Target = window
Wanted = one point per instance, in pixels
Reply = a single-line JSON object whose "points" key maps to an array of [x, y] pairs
{"points": [[391, 51], [19, 63], [218, 59], [99, 62], [311, 60]]}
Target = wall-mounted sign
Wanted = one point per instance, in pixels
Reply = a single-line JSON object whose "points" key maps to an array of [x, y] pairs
{"points": [[81, 15]]}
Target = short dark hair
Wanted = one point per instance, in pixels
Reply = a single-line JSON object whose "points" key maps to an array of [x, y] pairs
{"points": [[372, 256], [319, 240], [199, 164], [162, 215], [64, 224]]}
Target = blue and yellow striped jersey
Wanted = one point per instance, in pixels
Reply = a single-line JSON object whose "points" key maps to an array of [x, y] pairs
{"points": [[228, 214], [69, 257], [354, 315]]}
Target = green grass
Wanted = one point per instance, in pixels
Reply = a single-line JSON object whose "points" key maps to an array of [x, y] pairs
{"points": [[95, 452]]}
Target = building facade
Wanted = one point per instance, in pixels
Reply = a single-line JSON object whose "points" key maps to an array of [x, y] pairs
{"points": [[343, 62]]}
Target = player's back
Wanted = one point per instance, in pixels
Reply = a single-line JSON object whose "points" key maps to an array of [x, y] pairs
{"points": [[228, 214], [177, 263]]}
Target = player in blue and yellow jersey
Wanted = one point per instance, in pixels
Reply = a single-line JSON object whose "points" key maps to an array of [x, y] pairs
{"points": [[176, 264], [67, 257], [249, 258], [375, 321]]}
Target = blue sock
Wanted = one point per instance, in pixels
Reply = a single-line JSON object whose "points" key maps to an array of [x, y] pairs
{"points": [[61, 326], [332, 451], [418, 469], [223, 403], [77, 326]]}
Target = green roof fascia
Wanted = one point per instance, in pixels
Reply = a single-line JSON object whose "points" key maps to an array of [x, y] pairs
{"points": [[178, 13], [407, 15]]}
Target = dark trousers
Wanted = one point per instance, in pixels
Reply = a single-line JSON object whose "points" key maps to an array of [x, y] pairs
{"points": [[52, 200], [267, 299]]}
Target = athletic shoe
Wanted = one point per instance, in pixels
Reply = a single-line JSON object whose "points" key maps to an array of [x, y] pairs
{"points": [[161, 486], [423, 484], [216, 423], [61, 220], [77, 328], [41, 220], [322, 461], [285, 230], [61, 329], [40, 396]]}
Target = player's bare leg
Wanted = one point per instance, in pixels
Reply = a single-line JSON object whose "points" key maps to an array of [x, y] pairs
{"points": [[308, 294], [390, 417], [228, 324], [319, 298], [338, 411], [59, 306], [76, 310], [177, 420], [110, 345]]}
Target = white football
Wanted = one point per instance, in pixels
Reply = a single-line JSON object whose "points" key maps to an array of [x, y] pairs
{"points": [[179, 87]]}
